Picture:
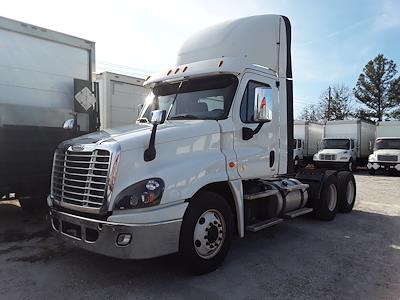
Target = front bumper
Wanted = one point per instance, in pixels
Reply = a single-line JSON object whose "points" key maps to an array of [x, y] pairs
{"points": [[377, 165], [336, 165], [147, 240]]}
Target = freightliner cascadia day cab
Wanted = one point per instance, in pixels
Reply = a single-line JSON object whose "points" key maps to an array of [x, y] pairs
{"points": [[386, 154], [41, 72], [346, 143], [209, 158], [307, 135], [121, 98]]}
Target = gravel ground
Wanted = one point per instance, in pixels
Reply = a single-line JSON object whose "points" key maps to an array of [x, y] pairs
{"points": [[355, 256]]}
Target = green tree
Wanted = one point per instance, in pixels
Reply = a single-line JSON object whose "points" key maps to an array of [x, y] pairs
{"points": [[335, 103], [378, 88]]}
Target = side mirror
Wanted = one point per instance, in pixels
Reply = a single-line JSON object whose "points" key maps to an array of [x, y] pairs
{"points": [[69, 124], [139, 109], [262, 104], [158, 117]]}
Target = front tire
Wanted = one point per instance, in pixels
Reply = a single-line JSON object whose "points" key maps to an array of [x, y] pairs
{"points": [[346, 191], [351, 166], [327, 206], [206, 233]]}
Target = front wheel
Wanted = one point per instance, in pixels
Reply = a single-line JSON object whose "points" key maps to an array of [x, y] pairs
{"points": [[351, 166], [206, 233]]}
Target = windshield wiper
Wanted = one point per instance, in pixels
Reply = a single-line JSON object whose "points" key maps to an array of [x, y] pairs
{"points": [[183, 116]]}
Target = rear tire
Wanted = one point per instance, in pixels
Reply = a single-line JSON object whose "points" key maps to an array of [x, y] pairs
{"points": [[327, 206], [206, 233], [346, 191]]}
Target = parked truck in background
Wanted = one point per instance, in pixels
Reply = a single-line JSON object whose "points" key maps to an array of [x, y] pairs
{"points": [[307, 135], [120, 98], [214, 161], [346, 144], [386, 155], [41, 72]]}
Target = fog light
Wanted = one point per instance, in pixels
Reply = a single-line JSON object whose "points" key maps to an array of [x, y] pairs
{"points": [[124, 239], [375, 166], [397, 167]]}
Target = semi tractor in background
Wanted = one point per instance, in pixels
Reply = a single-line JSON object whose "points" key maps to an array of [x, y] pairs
{"points": [[307, 137], [46, 96], [215, 159], [346, 144], [386, 155], [121, 98]]}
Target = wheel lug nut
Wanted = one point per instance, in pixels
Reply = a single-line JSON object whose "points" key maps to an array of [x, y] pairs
{"points": [[215, 222], [219, 225]]}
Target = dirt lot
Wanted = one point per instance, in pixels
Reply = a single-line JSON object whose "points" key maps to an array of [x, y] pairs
{"points": [[355, 256]]}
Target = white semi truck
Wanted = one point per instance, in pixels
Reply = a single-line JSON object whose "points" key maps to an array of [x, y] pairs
{"points": [[120, 98], [345, 145], [386, 154], [214, 161], [307, 136]]}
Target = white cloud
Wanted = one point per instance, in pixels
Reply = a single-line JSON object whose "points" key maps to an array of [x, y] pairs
{"points": [[389, 18]]}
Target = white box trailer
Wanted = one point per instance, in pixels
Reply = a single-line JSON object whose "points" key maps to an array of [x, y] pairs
{"points": [[310, 133], [345, 144], [386, 154], [41, 71], [388, 129], [119, 98]]}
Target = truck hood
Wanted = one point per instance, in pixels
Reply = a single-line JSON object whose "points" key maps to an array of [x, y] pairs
{"points": [[334, 151], [387, 152], [138, 135]]}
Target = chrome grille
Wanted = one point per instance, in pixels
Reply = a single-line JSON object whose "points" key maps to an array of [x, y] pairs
{"points": [[387, 157], [80, 177], [328, 156]]}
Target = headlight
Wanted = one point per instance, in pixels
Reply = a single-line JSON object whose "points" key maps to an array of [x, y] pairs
{"points": [[145, 193], [315, 156]]}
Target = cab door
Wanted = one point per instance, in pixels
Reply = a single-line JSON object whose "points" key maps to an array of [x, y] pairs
{"points": [[257, 155]]}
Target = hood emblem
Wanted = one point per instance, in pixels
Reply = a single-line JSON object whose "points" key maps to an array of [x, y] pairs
{"points": [[77, 147]]}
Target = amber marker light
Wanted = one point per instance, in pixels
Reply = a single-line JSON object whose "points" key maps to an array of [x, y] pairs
{"points": [[232, 164]]}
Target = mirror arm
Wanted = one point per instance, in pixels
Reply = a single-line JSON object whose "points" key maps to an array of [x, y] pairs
{"points": [[150, 152], [248, 133]]}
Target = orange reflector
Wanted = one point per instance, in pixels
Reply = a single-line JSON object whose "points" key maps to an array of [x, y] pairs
{"points": [[232, 164], [169, 72], [176, 71], [184, 69], [220, 63]]}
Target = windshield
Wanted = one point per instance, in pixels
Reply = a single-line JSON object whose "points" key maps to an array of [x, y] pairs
{"points": [[336, 144], [387, 144], [202, 98]]}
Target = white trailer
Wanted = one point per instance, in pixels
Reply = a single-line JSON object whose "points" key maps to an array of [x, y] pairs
{"points": [[346, 143], [120, 97], [309, 134], [386, 154], [41, 71]]}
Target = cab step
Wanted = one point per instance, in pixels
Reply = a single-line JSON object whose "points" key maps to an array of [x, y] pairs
{"points": [[263, 224], [259, 195], [295, 213]]}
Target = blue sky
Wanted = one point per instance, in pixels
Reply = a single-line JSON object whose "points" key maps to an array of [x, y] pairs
{"points": [[332, 40]]}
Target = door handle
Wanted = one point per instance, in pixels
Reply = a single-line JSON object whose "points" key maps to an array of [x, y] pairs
{"points": [[271, 158]]}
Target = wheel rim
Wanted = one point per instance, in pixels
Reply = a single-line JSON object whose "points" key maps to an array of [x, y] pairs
{"points": [[350, 192], [209, 234], [332, 194]]}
